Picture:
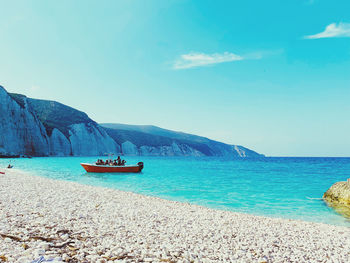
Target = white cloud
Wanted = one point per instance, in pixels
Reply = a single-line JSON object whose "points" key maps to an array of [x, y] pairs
{"points": [[333, 30], [193, 59]]}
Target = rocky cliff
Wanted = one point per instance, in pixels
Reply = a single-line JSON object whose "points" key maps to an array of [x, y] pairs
{"points": [[141, 143], [90, 139], [42, 128], [72, 132], [21, 132], [47, 128], [59, 144], [152, 140]]}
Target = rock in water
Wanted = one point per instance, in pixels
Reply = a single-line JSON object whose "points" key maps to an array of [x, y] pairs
{"points": [[338, 197]]}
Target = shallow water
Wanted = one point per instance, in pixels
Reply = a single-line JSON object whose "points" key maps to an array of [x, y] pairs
{"points": [[277, 187]]}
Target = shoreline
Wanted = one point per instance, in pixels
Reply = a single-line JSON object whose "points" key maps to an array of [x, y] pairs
{"points": [[73, 222], [172, 199]]}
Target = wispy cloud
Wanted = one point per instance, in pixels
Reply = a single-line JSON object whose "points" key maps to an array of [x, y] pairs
{"points": [[193, 59], [333, 30]]}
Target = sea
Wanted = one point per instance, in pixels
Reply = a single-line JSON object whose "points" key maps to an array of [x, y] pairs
{"points": [[279, 187]]}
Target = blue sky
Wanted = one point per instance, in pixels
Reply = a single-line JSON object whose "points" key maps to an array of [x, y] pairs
{"points": [[273, 76]]}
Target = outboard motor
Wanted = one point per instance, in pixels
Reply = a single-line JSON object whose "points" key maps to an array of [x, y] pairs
{"points": [[140, 164]]}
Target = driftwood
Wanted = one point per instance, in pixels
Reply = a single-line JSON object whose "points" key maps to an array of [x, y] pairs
{"points": [[18, 239], [11, 237], [46, 239]]}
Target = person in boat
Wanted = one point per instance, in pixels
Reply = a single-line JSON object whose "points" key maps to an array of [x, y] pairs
{"points": [[115, 163], [119, 161], [123, 162]]}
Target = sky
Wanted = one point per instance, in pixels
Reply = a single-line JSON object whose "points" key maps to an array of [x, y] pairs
{"points": [[273, 76]]}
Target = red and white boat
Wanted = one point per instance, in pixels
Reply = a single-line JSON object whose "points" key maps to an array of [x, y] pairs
{"points": [[94, 168]]}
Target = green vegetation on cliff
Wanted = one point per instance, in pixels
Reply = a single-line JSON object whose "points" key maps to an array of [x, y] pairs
{"points": [[145, 139], [53, 114]]}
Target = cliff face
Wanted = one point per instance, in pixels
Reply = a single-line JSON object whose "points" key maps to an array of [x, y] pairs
{"points": [[59, 144], [21, 132], [154, 141], [48, 128], [128, 148], [64, 131], [71, 131], [90, 139]]}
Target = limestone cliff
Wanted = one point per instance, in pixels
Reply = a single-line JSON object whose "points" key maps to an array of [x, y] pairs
{"points": [[154, 141], [71, 131], [49, 128], [21, 132], [59, 144], [90, 139], [67, 131], [173, 150]]}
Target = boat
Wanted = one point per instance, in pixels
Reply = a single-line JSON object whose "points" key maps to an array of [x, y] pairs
{"points": [[94, 168]]}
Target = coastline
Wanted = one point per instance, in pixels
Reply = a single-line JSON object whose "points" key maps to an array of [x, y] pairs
{"points": [[72, 222]]}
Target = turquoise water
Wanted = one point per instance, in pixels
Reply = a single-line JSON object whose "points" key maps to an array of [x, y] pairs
{"points": [[277, 187]]}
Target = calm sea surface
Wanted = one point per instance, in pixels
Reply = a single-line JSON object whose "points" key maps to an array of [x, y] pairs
{"points": [[277, 187]]}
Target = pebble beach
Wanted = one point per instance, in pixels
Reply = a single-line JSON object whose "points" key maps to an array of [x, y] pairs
{"points": [[69, 222]]}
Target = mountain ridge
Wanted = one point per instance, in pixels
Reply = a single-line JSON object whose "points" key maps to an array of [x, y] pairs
{"points": [[39, 127], [153, 129], [207, 146]]}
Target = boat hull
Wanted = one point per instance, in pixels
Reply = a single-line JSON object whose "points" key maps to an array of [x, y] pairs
{"points": [[93, 168]]}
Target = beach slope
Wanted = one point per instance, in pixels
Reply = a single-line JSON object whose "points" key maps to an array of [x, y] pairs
{"points": [[79, 223]]}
